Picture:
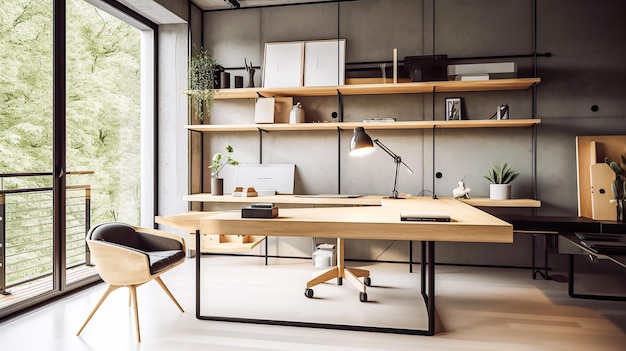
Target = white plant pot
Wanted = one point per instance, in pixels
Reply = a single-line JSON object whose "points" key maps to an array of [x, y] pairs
{"points": [[499, 191]]}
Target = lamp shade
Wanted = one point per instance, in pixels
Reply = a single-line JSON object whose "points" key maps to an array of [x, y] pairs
{"points": [[361, 143]]}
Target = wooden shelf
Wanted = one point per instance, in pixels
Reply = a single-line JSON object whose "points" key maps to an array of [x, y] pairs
{"points": [[479, 123], [486, 202], [378, 89]]}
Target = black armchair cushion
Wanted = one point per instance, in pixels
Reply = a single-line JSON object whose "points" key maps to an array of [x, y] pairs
{"points": [[162, 252], [160, 260]]}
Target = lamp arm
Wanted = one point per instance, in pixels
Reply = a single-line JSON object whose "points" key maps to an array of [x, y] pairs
{"points": [[385, 148], [397, 158]]}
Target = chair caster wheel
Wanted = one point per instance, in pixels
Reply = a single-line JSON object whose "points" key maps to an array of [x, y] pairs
{"points": [[367, 281], [308, 293], [363, 296]]}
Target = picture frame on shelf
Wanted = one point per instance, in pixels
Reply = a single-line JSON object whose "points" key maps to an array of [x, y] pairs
{"points": [[324, 62], [283, 65], [453, 109]]}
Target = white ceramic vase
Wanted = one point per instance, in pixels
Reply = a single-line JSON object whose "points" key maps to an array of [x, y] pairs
{"points": [[499, 191]]}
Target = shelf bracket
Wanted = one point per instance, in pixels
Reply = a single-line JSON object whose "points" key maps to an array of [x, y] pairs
{"points": [[261, 144], [339, 106], [339, 130]]}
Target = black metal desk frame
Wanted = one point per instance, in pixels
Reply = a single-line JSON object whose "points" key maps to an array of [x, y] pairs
{"points": [[617, 259], [427, 291]]}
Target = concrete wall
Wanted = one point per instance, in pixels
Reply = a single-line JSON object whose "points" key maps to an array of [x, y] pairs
{"points": [[586, 68], [172, 137]]}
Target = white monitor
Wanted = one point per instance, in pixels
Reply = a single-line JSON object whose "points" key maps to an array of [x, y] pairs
{"points": [[277, 177]]}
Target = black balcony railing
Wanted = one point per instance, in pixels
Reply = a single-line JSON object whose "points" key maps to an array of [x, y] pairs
{"points": [[26, 229]]}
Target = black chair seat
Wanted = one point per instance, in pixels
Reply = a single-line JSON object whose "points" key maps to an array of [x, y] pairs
{"points": [[160, 260]]}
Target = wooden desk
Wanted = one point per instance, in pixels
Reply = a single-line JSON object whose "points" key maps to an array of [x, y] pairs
{"points": [[468, 225], [230, 243]]}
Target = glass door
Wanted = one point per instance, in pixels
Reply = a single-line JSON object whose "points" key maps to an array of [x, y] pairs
{"points": [[103, 125], [75, 132], [26, 118]]}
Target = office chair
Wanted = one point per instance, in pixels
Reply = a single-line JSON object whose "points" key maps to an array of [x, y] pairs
{"points": [[127, 256]]}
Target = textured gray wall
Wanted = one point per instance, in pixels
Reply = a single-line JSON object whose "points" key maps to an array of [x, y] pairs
{"points": [[586, 68]]}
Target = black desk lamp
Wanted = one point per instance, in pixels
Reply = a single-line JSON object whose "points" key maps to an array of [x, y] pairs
{"points": [[362, 144]]}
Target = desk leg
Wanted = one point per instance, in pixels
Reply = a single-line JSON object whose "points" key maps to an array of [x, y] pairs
{"points": [[430, 301], [570, 288], [537, 270], [198, 255], [427, 263], [266, 248], [410, 256]]}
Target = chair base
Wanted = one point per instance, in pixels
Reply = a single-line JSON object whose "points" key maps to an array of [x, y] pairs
{"points": [[132, 302]]}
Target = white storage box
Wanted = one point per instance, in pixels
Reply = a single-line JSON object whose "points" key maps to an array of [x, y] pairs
{"points": [[324, 256]]}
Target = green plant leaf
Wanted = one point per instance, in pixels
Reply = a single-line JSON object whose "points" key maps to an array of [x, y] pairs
{"points": [[501, 174]]}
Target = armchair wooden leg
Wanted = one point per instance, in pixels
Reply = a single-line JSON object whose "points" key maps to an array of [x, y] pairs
{"points": [[133, 297], [158, 280], [104, 296]]}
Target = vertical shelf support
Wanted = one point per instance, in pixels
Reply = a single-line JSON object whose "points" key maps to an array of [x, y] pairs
{"points": [[339, 106], [261, 131], [339, 130]]}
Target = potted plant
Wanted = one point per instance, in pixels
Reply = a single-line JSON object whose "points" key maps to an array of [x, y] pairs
{"points": [[220, 161], [202, 70], [618, 186], [500, 177]]}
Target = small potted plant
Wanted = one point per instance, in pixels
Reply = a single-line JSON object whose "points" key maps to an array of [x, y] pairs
{"points": [[220, 161], [500, 177]]}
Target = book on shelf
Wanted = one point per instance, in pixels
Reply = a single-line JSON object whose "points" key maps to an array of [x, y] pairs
{"points": [[382, 119]]}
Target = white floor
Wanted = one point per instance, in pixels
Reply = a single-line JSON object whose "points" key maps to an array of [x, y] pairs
{"points": [[480, 309]]}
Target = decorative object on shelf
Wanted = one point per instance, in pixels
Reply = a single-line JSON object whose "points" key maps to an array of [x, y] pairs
{"points": [[427, 68], [453, 109], [362, 144], [245, 192], [618, 187], [297, 114], [202, 70], [324, 62], [482, 71], [238, 81], [500, 177], [383, 69], [283, 65], [251, 71], [395, 66], [219, 162], [224, 80], [502, 112], [273, 110], [462, 191]]}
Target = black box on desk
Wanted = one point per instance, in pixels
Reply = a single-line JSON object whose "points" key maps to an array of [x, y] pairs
{"points": [[256, 212]]}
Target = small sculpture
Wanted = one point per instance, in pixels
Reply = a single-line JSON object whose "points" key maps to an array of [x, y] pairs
{"points": [[251, 71], [462, 192]]}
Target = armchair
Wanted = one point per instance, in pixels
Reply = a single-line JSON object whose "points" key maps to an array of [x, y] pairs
{"points": [[127, 256]]}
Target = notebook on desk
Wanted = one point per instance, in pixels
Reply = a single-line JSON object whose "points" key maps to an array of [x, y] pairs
{"points": [[424, 217]]}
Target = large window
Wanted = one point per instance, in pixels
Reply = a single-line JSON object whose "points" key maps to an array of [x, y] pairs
{"points": [[107, 97]]}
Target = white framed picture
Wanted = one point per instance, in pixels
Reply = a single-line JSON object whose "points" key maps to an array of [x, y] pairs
{"points": [[283, 64], [453, 109], [324, 62]]}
